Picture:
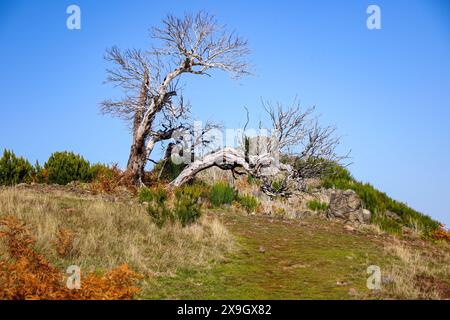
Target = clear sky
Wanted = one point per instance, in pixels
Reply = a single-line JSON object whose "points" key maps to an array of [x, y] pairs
{"points": [[387, 91]]}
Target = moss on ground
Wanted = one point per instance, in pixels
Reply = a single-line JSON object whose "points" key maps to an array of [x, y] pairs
{"points": [[301, 260]]}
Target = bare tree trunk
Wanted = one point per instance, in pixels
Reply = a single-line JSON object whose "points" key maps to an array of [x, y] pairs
{"points": [[138, 154], [137, 161]]}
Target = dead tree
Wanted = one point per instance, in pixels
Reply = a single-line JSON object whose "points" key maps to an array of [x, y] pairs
{"points": [[295, 150], [192, 44]]}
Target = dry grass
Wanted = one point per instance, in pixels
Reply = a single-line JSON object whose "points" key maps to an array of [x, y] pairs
{"points": [[100, 235], [26, 274], [213, 175], [373, 229], [419, 272]]}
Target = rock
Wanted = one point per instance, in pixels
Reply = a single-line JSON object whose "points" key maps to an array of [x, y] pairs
{"points": [[366, 215], [346, 206], [392, 215], [349, 228]]}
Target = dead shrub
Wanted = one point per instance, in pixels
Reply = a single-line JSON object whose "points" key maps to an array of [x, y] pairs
{"points": [[441, 233], [64, 242], [109, 179]]}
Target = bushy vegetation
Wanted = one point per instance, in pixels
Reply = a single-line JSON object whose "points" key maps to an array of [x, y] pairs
{"points": [[157, 206], [249, 203], [221, 193], [277, 185], [14, 170], [65, 167], [379, 203], [145, 195], [184, 207], [39, 174], [60, 168], [187, 209], [317, 205]]}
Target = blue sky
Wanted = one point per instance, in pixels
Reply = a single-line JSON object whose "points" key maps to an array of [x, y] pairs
{"points": [[387, 91]]}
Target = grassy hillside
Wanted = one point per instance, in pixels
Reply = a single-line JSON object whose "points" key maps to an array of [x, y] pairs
{"points": [[227, 254], [379, 203]]}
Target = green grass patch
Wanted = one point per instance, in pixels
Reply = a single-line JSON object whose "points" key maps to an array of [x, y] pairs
{"points": [[317, 205], [249, 203], [297, 263], [221, 193]]}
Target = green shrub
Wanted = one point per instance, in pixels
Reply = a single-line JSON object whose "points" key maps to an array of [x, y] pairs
{"points": [[221, 193], [187, 208], [65, 167], [98, 169], [160, 213], [145, 195], [157, 204], [316, 205], [14, 170], [157, 194], [39, 173], [277, 185], [249, 203]]}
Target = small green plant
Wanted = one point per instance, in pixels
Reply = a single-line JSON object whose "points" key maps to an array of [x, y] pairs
{"points": [[277, 185], [252, 180], [249, 203], [65, 167], [157, 204], [316, 205], [221, 193], [187, 209], [14, 170], [145, 195]]}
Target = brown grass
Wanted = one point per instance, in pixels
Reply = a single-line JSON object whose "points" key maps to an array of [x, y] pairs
{"points": [[100, 235], [419, 272], [111, 179]]}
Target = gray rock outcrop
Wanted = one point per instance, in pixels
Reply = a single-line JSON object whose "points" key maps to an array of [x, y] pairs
{"points": [[347, 206]]}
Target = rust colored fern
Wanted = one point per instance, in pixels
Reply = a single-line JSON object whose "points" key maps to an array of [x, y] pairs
{"points": [[441, 233], [26, 274]]}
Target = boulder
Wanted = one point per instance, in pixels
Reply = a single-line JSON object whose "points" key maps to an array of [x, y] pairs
{"points": [[367, 215], [392, 215], [347, 206]]}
